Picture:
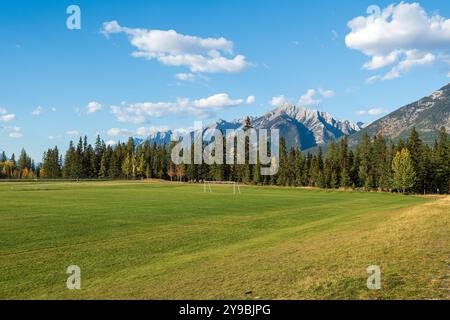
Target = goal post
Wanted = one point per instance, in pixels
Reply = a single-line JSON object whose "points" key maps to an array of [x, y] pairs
{"points": [[207, 186]]}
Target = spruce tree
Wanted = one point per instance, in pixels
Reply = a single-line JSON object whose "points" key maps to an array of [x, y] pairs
{"points": [[442, 161]]}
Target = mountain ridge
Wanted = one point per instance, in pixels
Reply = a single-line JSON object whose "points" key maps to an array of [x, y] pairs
{"points": [[299, 126], [427, 115]]}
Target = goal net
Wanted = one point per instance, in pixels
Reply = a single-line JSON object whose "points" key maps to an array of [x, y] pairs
{"points": [[207, 186]]}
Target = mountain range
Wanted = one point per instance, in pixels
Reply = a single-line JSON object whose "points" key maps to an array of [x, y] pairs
{"points": [[305, 129], [300, 127]]}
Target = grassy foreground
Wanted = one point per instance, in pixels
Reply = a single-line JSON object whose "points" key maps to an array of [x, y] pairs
{"points": [[171, 241]]}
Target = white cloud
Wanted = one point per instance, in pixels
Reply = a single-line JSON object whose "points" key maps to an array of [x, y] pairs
{"points": [[326, 93], [308, 99], [206, 107], [53, 109], [14, 132], [208, 55], [278, 101], [38, 111], [129, 113], [380, 61], [413, 58], [140, 132], [250, 100], [372, 112], [93, 107], [217, 102], [7, 117], [16, 135], [373, 79], [185, 76], [146, 131], [113, 132], [52, 137], [73, 133], [312, 97], [403, 36]]}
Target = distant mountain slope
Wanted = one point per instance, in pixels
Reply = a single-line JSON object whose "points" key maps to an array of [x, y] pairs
{"points": [[299, 126], [428, 115], [303, 127]]}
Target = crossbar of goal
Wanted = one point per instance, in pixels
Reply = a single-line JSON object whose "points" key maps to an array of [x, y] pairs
{"points": [[207, 186]]}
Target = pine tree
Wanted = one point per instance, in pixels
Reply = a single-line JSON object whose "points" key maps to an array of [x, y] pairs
{"points": [[299, 168], [344, 162], [24, 164], [104, 163], [442, 162], [365, 161], [52, 164], [257, 172], [115, 166], [68, 170], [414, 145], [282, 177]]}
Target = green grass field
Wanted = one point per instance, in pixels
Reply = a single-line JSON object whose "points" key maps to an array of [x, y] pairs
{"points": [[156, 240]]}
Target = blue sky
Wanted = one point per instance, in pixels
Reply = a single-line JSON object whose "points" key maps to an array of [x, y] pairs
{"points": [[223, 59]]}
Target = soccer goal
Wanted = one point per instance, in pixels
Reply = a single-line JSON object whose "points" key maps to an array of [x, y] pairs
{"points": [[207, 186]]}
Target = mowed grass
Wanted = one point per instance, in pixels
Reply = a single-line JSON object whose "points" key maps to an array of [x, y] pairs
{"points": [[156, 240]]}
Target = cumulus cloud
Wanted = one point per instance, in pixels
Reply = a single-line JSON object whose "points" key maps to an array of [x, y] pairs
{"points": [[278, 100], [207, 55], [5, 116], [219, 101], [205, 107], [250, 100], [312, 97], [8, 117], [402, 36], [412, 58], [308, 99], [38, 111], [93, 107], [372, 112]]}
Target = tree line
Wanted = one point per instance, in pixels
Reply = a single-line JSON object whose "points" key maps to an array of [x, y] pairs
{"points": [[375, 163]]}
